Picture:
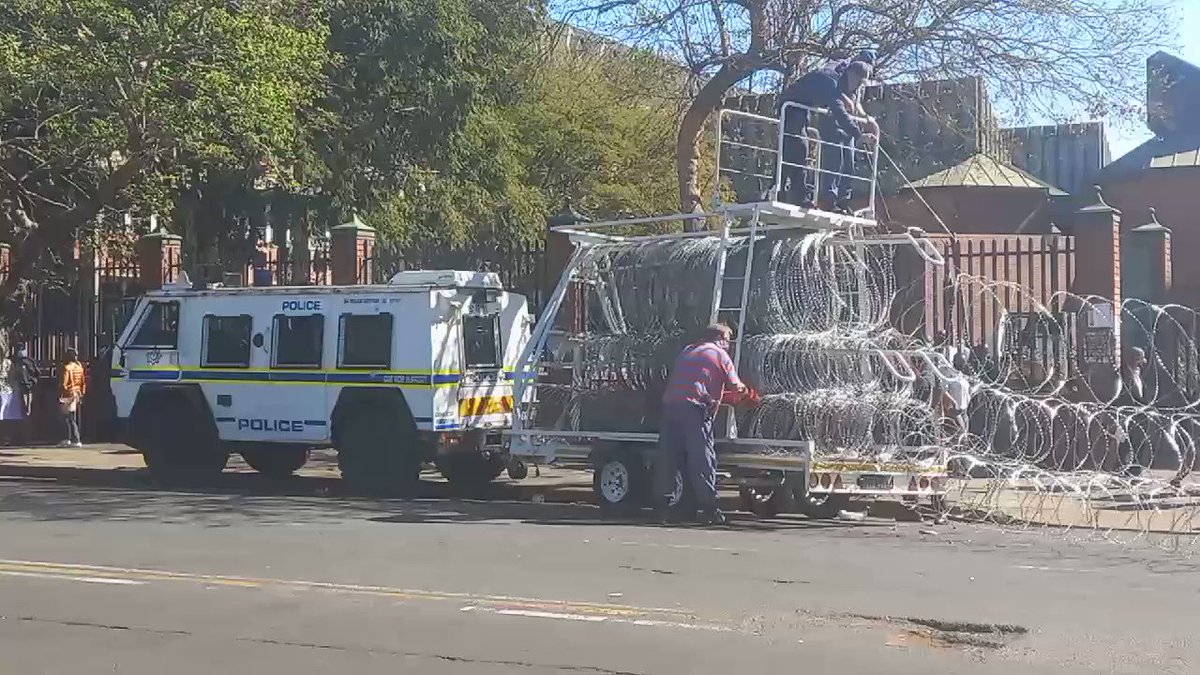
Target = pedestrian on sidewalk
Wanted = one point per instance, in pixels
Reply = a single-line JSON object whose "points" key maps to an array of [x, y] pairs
{"points": [[73, 387], [24, 374], [693, 396], [11, 413], [27, 377]]}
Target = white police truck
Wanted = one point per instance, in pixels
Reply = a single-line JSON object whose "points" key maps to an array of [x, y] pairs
{"points": [[391, 375]]}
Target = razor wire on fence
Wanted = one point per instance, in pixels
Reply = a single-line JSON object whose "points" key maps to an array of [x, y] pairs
{"points": [[1031, 443]]}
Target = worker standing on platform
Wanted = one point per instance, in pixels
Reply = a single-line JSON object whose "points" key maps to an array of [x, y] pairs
{"points": [[698, 381], [836, 88]]}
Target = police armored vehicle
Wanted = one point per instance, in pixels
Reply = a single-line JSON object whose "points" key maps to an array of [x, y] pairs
{"points": [[390, 375]]}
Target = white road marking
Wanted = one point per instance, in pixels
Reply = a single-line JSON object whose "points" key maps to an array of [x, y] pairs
{"points": [[585, 612], [90, 580], [588, 618], [550, 615], [689, 547], [1040, 568]]}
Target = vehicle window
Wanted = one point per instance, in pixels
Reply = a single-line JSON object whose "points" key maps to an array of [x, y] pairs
{"points": [[159, 328], [227, 341], [366, 341], [481, 341], [298, 341]]}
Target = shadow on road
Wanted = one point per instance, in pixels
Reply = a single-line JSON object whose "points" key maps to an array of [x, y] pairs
{"points": [[38, 493]]}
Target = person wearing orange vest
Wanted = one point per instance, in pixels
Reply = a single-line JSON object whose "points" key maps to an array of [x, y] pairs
{"points": [[74, 385]]}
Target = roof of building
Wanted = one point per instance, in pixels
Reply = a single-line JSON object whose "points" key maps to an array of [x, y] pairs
{"points": [[1174, 152], [982, 170]]}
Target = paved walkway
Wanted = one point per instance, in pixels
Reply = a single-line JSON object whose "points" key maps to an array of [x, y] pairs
{"points": [[992, 500]]}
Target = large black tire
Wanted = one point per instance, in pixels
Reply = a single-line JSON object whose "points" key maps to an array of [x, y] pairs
{"points": [[275, 460], [470, 470], [179, 443], [823, 507], [378, 452], [619, 480]]}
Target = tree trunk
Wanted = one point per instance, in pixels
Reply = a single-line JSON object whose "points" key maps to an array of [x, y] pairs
{"points": [[691, 132]]}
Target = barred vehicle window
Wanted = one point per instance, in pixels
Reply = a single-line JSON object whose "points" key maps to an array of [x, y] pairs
{"points": [[481, 341], [159, 328], [299, 341], [365, 341], [227, 341]]}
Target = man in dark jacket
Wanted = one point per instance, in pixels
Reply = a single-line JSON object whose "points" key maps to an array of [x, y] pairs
{"points": [[27, 377], [834, 88]]}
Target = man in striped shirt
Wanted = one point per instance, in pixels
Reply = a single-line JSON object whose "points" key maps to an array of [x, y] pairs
{"points": [[698, 381]]}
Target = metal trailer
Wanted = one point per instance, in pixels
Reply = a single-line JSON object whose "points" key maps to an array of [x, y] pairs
{"points": [[773, 475]]}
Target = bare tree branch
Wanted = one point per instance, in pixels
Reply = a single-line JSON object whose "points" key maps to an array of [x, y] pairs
{"points": [[1053, 58]]}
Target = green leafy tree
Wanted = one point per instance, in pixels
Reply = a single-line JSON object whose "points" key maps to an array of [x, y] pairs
{"points": [[589, 126], [600, 130], [100, 100]]}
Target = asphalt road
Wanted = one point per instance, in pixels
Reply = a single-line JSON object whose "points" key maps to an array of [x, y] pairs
{"points": [[132, 580]]}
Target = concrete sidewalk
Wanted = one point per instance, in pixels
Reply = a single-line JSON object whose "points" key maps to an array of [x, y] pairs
{"points": [[989, 500]]}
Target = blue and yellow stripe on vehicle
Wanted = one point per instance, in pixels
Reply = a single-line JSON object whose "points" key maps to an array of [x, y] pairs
{"points": [[399, 378]]}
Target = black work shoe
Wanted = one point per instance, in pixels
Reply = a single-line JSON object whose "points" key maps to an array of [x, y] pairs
{"points": [[713, 517], [661, 515]]}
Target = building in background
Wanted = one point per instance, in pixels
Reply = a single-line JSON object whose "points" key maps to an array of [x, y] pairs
{"points": [[1067, 156], [1164, 172]]}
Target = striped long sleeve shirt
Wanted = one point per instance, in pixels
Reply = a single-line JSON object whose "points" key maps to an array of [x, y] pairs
{"points": [[701, 374]]}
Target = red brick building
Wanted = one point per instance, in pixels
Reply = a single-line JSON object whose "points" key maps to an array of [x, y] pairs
{"points": [[1164, 172]]}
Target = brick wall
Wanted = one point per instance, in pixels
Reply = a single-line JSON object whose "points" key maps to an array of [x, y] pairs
{"points": [[1173, 195]]}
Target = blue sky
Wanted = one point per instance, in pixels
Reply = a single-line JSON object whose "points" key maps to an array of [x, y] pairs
{"points": [[1123, 135]]}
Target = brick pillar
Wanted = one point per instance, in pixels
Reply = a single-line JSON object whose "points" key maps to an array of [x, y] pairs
{"points": [[352, 253], [1147, 282], [158, 256], [1147, 264], [1097, 229]]}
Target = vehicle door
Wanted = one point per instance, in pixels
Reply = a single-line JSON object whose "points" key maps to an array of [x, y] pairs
{"points": [[150, 352], [484, 394]]}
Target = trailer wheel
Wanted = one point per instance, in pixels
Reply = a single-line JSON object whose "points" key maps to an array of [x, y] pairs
{"points": [[763, 502], [680, 497], [377, 454], [619, 479], [275, 461], [178, 445], [823, 507]]}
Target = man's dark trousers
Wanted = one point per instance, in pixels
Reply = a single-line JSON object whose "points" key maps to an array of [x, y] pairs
{"points": [[798, 182], [837, 158], [686, 440]]}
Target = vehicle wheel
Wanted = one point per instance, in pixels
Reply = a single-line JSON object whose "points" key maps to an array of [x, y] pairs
{"points": [[680, 498], [824, 507], [178, 445], [619, 480], [377, 453], [275, 461], [518, 469], [470, 469]]}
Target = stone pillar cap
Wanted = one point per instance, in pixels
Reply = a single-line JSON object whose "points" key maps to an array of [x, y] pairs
{"points": [[162, 236], [1152, 225], [1099, 206], [355, 224]]}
